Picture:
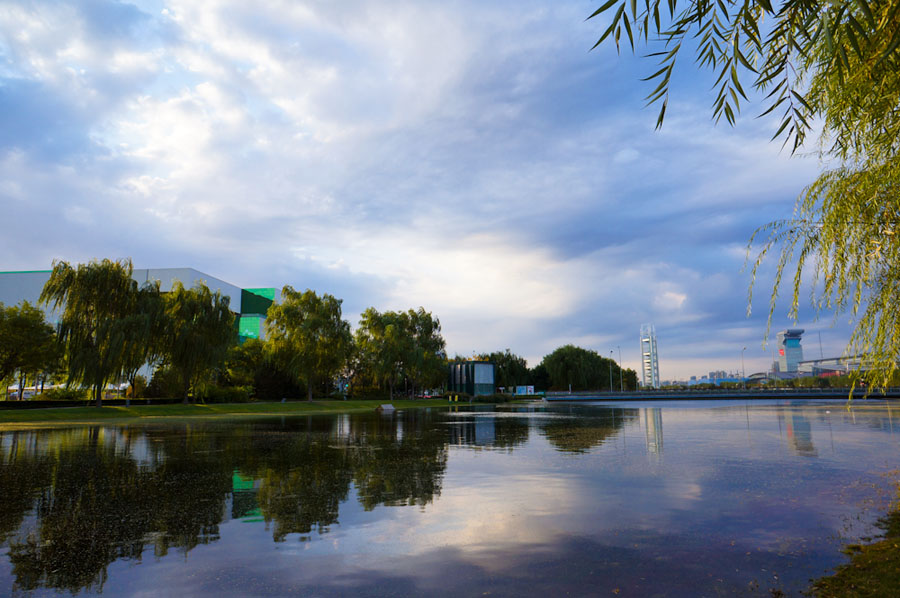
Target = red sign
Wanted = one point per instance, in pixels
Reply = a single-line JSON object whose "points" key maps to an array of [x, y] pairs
{"points": [[781, 351]]}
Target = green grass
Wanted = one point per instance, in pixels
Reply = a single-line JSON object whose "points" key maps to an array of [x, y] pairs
{"points": [[873, 570], [106, 414]]}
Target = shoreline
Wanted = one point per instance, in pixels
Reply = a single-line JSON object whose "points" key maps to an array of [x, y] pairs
{"points": [[118, 414]]}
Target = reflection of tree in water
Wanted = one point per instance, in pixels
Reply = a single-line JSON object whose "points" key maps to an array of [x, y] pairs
{"points": [[400, 469], [101, 494], [186, 493], [303, 486], [20, 479], [89, 518], [510, 432], [586, 429], [102, 506]]}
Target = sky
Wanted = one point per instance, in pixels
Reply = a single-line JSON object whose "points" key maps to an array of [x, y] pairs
{"points": [[474, 158]]}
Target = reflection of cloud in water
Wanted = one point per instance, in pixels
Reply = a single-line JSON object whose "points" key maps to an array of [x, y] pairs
{"points": [[484, 514]]}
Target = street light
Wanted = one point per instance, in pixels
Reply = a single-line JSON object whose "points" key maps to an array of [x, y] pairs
{"points": [[621, 382], [743, 374], [610, 369]]}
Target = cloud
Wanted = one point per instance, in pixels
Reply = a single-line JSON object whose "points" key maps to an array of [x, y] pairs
{"points": [[472, 158]]}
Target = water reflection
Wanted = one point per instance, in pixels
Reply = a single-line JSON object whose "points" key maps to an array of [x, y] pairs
{"points": [[654, 426], [586, 429], [103, 494], [511, 501], [798, 430]]}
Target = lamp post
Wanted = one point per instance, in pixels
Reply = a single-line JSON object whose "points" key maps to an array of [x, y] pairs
{"points": [[621, 382], [609, 363], [743, 374]]}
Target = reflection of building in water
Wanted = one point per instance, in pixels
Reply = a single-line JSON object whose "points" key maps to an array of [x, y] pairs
{"points": [[654, 428], [243, 498], [799, 434], [477, 430]]}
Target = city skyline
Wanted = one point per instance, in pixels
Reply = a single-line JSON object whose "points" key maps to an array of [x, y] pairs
{"points": [[477, 160]]}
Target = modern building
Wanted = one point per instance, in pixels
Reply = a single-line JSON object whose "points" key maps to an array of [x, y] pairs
{"points": [[472, 377], [649, 358], [790, 353], [249, 305]]}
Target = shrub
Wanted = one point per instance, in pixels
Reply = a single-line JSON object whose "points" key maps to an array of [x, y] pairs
{"points": [[62, 394], [163, 384], [223, 394], [140, 388]]}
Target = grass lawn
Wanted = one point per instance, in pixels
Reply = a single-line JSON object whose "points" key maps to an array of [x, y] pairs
{"points": [[65, 415]]}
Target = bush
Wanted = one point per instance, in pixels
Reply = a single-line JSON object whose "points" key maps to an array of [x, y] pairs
{"points": [[222, 394], [164, 384], [140, 388], [62, 394]]}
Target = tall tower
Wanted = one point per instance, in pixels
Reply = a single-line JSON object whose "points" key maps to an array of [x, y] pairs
{"points": [[790, 353], [649, 360]]}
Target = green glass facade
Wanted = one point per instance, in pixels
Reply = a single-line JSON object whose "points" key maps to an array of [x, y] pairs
{"points": [[254, 305]]}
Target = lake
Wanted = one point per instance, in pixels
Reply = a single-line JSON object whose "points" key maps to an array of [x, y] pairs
{"points": [[712, 498]]}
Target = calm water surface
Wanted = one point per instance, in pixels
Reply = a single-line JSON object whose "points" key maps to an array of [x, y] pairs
{"points": [[632, 499]]}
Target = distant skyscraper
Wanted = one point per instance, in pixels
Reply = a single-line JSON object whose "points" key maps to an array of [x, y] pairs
{"points": [[649, 360], [790, 353]]}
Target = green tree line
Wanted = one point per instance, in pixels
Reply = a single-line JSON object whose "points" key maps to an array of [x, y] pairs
{"points": [[110, 328]]}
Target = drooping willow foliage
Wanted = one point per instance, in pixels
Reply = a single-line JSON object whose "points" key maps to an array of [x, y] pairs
{"points": [[836, 63]]}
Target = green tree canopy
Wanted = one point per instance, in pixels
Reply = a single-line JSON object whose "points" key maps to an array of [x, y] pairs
{"points": [[835, 63], [143, 330], [94, 300], [583, 369], [427, 359], [510, 370], [383, 345], [199, 329], [307, 336], [394, 346], [27, 342]]}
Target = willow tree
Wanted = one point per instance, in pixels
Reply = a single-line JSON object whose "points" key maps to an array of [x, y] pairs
{"points": [[307, 336], [384, 345], [836, 63], [426, 361], [199, 329], [92, 299], [143, 330]]}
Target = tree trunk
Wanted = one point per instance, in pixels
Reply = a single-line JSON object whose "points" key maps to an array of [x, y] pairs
{"points": [[21, 386], [98, 395], [391, 386], [309, 386]]}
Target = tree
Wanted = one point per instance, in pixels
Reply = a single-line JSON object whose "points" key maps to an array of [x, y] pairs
{"points": [[426, 361], [837, 63], [27, 343], [510, 370], [394, 346], [384, 345], [583, 369], [308, 338], [199, 329], [143, 329], [94, 299]]}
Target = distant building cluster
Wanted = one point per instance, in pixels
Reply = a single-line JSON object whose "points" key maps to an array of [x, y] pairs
{"points": [[787, 363]]}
